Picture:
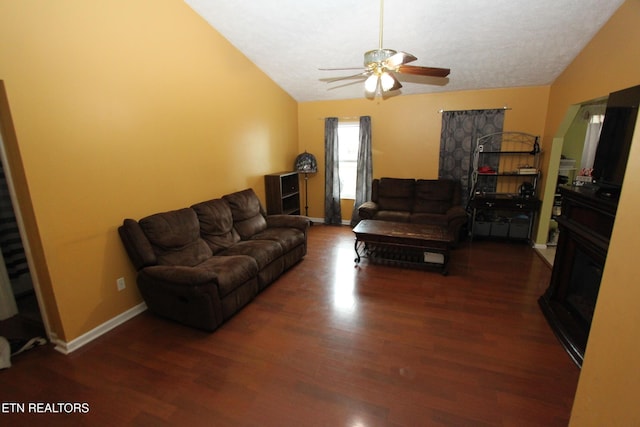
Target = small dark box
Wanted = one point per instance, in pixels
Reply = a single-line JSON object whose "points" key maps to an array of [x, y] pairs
{"points": [[519, 229], [500, 229], [482, 228]]}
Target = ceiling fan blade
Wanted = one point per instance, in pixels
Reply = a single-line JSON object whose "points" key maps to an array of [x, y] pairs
{"points": [[398, 59], [348, 83], [424, 71], [340, 69], [337, 79]]}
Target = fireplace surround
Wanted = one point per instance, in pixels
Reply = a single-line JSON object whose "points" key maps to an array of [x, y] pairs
{"points": [[569, 302]]}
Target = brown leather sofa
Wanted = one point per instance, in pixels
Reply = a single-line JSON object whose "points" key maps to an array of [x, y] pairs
{"points": [[424, 201], [200, 265]]}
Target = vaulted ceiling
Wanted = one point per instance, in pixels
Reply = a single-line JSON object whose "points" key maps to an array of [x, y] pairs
{"points": [[486, 43]]}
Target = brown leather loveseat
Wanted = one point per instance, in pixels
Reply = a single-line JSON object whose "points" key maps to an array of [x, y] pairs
{"points": [[200, 265], [424, 201]]}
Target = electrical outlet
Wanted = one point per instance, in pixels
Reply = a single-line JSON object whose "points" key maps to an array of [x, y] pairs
{"points": [[480, 148], [120, 283]]}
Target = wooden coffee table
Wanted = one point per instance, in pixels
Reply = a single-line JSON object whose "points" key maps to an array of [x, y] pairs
{"points": [[403, 244]]}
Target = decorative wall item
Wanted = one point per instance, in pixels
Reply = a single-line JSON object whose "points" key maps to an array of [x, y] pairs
{"points": [[306, 163]]}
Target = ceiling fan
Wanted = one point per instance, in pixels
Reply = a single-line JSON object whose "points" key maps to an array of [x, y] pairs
{"points": [[380, 66]]}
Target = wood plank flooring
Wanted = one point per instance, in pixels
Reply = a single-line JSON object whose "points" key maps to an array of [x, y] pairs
{"points": [[329, 344]]}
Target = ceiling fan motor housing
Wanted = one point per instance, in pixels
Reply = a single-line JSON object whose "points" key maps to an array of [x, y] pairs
{"points": [[377, 56]]}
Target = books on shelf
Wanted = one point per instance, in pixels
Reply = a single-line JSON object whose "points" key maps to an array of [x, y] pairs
{"points": [[527, 171]]}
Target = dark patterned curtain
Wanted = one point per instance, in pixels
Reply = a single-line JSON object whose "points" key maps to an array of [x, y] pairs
{"points": [[460, 130], [332, 211], [365, 169]]}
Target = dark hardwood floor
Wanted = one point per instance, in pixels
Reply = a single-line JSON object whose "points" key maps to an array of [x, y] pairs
{"points": [[329, 344]]}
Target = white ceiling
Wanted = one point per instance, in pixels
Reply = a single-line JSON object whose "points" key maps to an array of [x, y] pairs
{"points": [[485, 43]]}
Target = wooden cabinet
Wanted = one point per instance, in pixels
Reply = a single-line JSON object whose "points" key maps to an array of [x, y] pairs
{"points": [[283, 193]]}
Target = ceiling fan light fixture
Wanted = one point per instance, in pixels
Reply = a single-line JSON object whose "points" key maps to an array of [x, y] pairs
{"points": [[387, 81], [371, 84]]}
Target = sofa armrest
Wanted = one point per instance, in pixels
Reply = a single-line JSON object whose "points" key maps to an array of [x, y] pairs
{"points": [[188, 295], [292, 221], [136, 244], [368, 210], [180, 275], [456, 213], [457, 216]]}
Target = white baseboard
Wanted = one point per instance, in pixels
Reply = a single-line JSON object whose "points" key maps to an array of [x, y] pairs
{"points": [[321, 221], [539, 246], [67, 347]]}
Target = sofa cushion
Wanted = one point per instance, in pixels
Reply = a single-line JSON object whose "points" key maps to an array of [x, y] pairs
{"points": [[216, 224], [231, 272], [395, 194], [433, 196], [288, 238], [264, 252], [397, 216], [247, 212], [175, 237], [429, 218]]}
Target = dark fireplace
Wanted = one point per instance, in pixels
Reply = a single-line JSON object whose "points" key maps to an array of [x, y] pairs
{"points": [[569, 302], [584, 284]]}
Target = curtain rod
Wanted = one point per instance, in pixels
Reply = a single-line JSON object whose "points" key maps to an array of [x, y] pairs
{"points": [[483, 109], [342, 118]]}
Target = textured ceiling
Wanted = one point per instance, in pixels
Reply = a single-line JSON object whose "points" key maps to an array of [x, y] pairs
{"points": [[485, 43]]}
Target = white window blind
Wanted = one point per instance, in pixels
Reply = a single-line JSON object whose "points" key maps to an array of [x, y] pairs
{"points": [[348, 141]]}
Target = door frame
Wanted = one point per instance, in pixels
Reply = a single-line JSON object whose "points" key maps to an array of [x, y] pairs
{"points": [[7, 125]]}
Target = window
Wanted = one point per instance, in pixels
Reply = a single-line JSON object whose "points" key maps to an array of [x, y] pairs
{"points": [[348, 141], [590, 146]]}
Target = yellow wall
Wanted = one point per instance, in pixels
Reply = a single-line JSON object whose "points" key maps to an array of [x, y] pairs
{"points": [[406, 130], [609, 382], [122, 109]]}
